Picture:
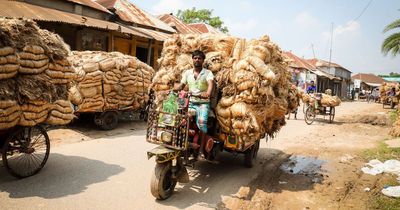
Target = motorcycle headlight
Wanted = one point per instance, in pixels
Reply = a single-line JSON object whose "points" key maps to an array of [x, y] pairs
{"points": [[166, 137]]}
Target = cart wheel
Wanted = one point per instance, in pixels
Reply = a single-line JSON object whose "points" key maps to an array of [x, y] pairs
{"points": [[310, 115], [305, 106], [250, 155], [331, 114], [107, 120], [26, 151], [162, 184]]}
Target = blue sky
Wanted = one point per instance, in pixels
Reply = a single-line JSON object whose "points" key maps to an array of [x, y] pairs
{"points": [[295, 25]]}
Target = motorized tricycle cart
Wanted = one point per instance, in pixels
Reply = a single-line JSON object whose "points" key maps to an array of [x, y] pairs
{"points": [[172, 127]]}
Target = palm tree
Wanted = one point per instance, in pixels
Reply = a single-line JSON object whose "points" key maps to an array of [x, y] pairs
{"points": [[392, 43]]}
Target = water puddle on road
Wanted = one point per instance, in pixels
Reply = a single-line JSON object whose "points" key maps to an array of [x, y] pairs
{"points": [[302, 165]]}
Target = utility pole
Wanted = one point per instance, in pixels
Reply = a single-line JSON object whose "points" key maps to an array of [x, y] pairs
{"points": [[330, 51], [312, 47]]}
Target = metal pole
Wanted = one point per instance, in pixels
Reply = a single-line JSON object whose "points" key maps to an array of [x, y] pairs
{"points": [[330, 53]]}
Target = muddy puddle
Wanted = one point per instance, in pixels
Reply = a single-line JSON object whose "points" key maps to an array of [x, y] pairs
{"points": [[303, 165]]}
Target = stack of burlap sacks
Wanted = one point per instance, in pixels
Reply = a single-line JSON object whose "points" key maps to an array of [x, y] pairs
{"points": [[395, 130], [327, 99], [109, 81], [34, 75], [385, 88], [251, 74], [294, 96]]}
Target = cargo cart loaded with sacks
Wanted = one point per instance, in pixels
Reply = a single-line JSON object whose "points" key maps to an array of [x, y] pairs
{"points": [[320, 104], [109, 85], [249, 102], [34, 79]]}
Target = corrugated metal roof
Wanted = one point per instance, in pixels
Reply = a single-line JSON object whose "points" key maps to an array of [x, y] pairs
{"points": [[24, 10], [368, 78], [321, 63], [296, 62], [157, 35], [205, 28], [182, 27], [91, 4], [129, 12]]}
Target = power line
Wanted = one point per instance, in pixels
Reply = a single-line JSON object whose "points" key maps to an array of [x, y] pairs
{"points": [[362, 12]]}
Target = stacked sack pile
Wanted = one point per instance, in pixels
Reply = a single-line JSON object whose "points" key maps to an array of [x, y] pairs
{"points": [[294, 96], [395, 130], [109, 81], [385, 88], [251, 74], [34, 75], [327, 99]]}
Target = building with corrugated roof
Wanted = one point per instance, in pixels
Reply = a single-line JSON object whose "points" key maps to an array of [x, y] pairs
{"points": [[88, 25], [368, 81], [178, 25], [302, 71], [131, 16], [337, 78], [205, 28]]}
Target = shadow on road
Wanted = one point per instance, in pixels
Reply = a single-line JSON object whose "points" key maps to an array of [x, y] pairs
{"points": [[212, 182], [61, 176], [125, 128]]}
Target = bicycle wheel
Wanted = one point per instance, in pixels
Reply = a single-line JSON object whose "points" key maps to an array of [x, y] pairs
{"points": [[309, 117], [305, 106], [26, 151]]}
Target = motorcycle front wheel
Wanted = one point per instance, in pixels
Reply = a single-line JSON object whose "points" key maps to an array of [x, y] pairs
{"points": [[162, 184]]}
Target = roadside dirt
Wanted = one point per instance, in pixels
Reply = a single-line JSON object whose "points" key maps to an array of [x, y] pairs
{"points": [[338, 183]]}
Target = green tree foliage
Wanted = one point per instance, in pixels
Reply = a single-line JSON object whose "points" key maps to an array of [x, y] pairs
{"points": [[392, 43], [201, 16]]}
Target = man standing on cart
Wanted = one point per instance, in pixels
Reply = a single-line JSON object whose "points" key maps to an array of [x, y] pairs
{"points": [[200, 82]]}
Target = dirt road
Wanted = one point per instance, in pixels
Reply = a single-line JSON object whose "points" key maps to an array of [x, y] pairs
{"points": [[90, 169]]}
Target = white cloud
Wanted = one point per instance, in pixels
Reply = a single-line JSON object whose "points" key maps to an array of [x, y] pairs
{"points": [[306, 20], [350, 27], [168, 6]]}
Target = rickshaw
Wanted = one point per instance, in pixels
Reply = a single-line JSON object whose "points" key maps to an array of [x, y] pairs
{"points": [[24, 150], [173, 128], [314, 108]]}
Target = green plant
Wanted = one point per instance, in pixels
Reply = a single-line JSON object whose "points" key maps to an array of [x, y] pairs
{"points": [[382, 153]]}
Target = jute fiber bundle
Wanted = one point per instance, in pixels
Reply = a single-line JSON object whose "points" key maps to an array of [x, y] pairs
{"points": [[328, 100], [9, 63], [110, 81], [10, 113], [251, 75], [395, 130], [294, 98], [61, 113], [385, 88], [34, 72]]}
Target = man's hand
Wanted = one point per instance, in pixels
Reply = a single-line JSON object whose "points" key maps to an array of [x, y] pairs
{"points": [[205, 95]]}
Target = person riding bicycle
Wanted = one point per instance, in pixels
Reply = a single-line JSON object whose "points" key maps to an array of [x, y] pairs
{"points": [[311, 88], [200, 82]]}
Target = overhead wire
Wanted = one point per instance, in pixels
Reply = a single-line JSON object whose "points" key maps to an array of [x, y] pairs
{"points": [[362, 12]]}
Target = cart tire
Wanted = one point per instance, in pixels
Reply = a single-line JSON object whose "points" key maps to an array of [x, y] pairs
{"points": [[162, 184], [331, 114], [309, 117], [109, 120], [26, 150], [305, 106], [250, 155]]}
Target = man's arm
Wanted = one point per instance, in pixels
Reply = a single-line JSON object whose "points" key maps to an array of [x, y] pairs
{"points": [[181, 85]]}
